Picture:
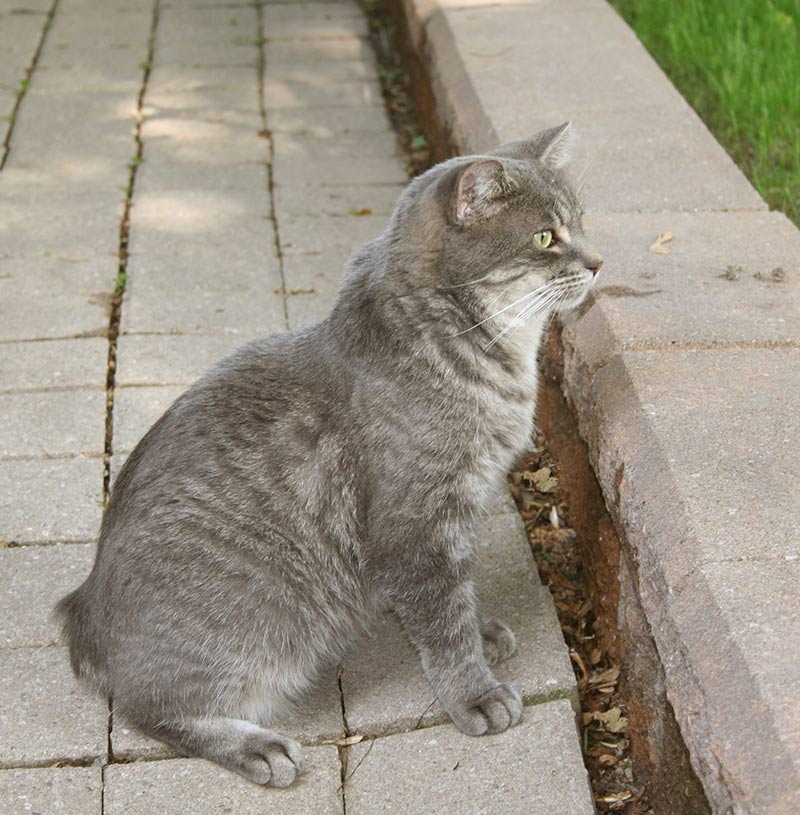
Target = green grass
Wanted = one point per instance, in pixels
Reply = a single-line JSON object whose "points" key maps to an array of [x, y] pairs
{"points": [[737, 62]]}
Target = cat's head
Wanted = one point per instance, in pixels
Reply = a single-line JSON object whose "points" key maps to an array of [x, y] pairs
{"points": [[506, 227]]}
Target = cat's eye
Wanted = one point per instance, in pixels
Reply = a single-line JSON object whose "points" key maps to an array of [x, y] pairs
{"points": [[543, 239]]}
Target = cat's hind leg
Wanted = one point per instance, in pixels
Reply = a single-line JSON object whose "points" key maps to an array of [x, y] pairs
{"points": [[258, 754]]}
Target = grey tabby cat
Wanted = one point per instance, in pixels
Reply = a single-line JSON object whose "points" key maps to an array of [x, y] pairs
{"points": [[318, 477]]}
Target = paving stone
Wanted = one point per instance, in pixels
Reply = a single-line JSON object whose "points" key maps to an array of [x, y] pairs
{"points": [[312, 234], [324, 122], [616, 74], [738, 625], [32, 580], [103, 72], [136, 411], [284, 94], [54, 500], [203, 19], [646, 299], [316, 280], [53, 296], [190, 214], [214, 50], [46, 716], [282, 14], [384, 688], [534, 768], [144, 359], [115, 465], [696, 450], [241, 83], [503, 504], [172, 223], [18, 43], [95, 136], [128, 744], [204, 295], [56, 316], [206, 90], [196, 787], [318, 717], [314, 171], [311, 308], [100, 52], [295, 147], [293, 70], [54, 364], [245, 185], [64, 187], [52, 423], [77, 226], [72, 790], [312, 53], [692, 171], [336, 199], [185, 139], [315, 27]]}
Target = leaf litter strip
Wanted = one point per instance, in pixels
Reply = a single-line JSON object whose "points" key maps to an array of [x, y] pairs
{"points": [[606, 750]]}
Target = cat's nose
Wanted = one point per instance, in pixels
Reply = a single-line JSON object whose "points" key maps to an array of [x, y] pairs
{"points": [[594, 265]]}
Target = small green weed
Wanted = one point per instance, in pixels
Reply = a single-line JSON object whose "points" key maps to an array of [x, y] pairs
{"points": [[122, 277]]}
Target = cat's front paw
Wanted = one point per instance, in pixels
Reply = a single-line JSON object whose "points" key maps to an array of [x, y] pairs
{"points": [[493, 712], [499, 642]]}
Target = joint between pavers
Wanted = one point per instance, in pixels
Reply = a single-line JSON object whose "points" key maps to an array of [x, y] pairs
{"points": [[100, 333], [15, 544], [48, 22], [86, 386], [57, 763], [723, 345], [341, 750], [124, 241], [262, 63]]}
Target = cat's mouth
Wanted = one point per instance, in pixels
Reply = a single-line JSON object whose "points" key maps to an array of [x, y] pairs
{"points": [[573, 291]]}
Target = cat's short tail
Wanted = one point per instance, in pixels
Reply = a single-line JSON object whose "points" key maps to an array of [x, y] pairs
{"points": [[80, 636]]}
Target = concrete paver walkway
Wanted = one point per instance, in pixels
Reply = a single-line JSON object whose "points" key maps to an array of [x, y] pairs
{"points": [[226, 157]]}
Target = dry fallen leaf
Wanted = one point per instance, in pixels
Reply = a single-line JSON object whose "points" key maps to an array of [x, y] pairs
{"points": [[657, 247], [613, 719], [544, 480], [346, 741], [608, 677]]}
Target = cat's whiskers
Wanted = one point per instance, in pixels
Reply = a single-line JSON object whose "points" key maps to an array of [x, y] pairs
{"points": [[548, 299], [524, 298], [584, 176]]}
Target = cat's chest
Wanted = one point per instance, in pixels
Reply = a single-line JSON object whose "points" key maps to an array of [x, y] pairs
{"points": [[502, 428]]}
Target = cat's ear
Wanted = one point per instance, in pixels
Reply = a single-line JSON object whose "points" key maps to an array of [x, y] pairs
{"points": [[553, 147], [482, 190]]}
